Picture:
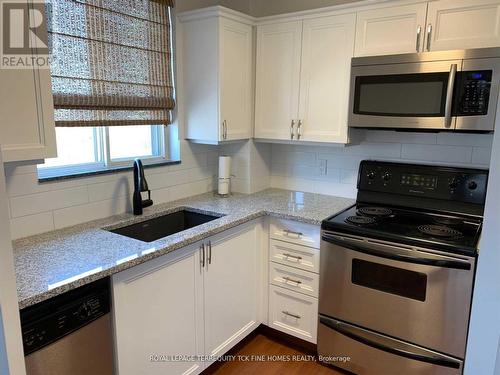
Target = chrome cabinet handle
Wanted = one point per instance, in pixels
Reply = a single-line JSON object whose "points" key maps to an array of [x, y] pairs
{"points": [[290, 314], [299, 129], [209, 252], [289, 280], [419, 32], [291, 129], [449, 95], [202, 251], [288, 231], [224, 129], [429, 32], [286, 255]]}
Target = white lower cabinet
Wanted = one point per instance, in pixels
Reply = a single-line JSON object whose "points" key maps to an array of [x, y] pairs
{"points": [[293, 313], [294, 278], [195, 301], [231, 289]]}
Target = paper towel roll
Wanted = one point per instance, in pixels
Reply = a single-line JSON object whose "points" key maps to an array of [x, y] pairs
{"points": [[224, 166]]}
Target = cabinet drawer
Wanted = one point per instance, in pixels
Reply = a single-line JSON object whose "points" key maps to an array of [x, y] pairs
{"points": [[302, 257], [293, 313], [295, 232], [294, 279]]}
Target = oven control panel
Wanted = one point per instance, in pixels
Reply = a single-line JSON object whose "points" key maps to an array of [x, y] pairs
{"points": [[427, 181]]}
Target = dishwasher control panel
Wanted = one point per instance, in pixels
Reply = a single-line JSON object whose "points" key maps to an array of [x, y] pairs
{"points": [[51, 320]]}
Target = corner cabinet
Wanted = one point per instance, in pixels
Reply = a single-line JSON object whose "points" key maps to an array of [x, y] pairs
{"points": [[27, 129], [194, 302], [302, 79], [217, 73]]}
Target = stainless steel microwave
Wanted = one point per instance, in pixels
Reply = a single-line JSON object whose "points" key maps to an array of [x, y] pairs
{"points": [[446, 90]]}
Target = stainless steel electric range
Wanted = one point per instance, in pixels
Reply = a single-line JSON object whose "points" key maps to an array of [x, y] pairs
{"points": [[397, 270]]}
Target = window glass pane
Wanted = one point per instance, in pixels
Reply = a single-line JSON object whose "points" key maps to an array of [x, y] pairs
{"points": [[132, 141], [74, 146]]}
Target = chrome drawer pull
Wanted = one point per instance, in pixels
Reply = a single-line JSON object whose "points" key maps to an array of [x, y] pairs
{"points": [[292, 256], [288, 231], [292, 315], [289, 280]]}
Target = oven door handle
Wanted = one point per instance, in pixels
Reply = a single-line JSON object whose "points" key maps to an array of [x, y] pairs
{"points": [[429, 260], [388, 344]]}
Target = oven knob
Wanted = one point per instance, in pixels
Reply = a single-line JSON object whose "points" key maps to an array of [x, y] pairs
{"points": [[472, 185], [370, 175], [386, 176], [84, 312]]}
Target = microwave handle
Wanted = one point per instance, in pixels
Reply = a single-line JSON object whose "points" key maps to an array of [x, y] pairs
{"points": [[449, 96]]}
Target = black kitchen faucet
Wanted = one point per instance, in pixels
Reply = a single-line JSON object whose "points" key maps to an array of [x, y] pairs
{"points": [[140, 185]]}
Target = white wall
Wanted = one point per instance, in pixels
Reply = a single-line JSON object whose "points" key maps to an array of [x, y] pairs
{"points": [[239, 5], [484, 333], [299, 167], [39, 207], [260, 8]]}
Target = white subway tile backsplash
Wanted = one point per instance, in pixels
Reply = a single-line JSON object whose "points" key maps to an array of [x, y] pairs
{"points": [[48, 201], [32, 224], [440, 153], [469, 150], [481, 156]]}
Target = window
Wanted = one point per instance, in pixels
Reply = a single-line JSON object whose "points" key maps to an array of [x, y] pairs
{"points": [[93, 149], [112, 83]]}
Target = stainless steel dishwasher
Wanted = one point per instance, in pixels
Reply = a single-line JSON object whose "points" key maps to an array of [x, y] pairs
{"points": [[70, 334]]}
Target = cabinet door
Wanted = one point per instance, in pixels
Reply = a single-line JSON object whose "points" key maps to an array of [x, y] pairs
{"points": [[327, 48], [277, 79], [231, 288], [390, 30], [235, 80], [27, 129], [460, 24], [158, 309]]}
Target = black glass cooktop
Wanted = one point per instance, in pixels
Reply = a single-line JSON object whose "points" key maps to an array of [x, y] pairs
{"points": [[458, 234]]}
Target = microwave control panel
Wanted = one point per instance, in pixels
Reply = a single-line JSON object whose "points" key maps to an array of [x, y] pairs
{"points": [[473, 93]]}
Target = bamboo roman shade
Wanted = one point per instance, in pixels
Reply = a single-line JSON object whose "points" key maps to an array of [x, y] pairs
{"points": [[111, 62]]}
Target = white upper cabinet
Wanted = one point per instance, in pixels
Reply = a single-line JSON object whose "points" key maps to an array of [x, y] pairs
{"points": [[327, 48], [460, 24], [302, 83], [27, 129], [277, 79], [217, 75], [390, 30]]}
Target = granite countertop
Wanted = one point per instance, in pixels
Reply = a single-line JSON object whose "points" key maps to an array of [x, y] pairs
{"points": [[54, 262]]}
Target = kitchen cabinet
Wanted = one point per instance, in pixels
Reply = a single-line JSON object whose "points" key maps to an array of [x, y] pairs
{"points": [[277, 79], [294, 278], [390, 30], [460, 24], [217, 65], [200, 300], [27, 130], [302, 79], [158, 311], [231, 283]]}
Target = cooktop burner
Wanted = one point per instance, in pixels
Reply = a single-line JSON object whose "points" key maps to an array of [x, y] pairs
{"points": [[439, 231], [453, 233], [375, 211], [360, 220]]}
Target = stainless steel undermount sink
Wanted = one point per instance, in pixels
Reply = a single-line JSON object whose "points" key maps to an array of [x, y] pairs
{"points": [[163, 226]]}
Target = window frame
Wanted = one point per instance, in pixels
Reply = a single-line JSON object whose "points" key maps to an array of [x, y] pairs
{"points": [[104, 162]]}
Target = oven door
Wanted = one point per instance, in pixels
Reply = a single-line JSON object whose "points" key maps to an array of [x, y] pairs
{"points": [[412, 95], [412, 294]]}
